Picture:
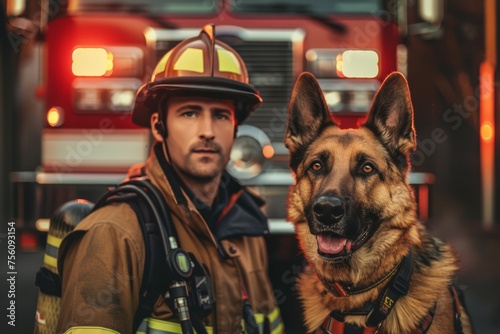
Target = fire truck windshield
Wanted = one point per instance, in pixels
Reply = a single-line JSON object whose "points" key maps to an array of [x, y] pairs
{"points": [[308, 6], [241, 6], [151, 6]]}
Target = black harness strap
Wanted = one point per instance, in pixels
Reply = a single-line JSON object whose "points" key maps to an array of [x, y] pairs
{"points": [[48, 282], [397, 287], [457, 317], [169, 174], [378, 311]]}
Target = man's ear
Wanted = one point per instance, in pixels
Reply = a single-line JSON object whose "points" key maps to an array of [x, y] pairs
{"points": [[391, 116], [158, 129]]}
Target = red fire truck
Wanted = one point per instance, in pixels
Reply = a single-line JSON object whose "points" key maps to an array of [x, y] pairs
{"points": [[97, 53]]}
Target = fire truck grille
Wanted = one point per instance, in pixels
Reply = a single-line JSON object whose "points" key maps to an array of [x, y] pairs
{"points": [[270, 68]]}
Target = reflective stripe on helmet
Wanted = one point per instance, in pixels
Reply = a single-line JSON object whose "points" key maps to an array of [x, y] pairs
{"points": [[159, 70], [228, 62], [190, 60]]}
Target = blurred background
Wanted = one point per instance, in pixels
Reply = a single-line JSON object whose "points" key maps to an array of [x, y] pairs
{"points": [[70, 69]]}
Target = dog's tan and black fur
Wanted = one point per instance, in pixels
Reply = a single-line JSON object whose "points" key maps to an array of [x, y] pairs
{"points": [[355, 215]]}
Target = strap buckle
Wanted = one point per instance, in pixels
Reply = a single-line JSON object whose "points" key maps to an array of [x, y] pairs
{"points": [[401, 285]]}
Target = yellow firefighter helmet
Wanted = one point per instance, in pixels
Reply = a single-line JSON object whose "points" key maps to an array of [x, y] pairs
{"points": [[200, 65]]}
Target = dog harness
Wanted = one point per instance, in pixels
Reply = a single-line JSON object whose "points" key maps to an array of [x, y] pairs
{"points": [[376, 312]]}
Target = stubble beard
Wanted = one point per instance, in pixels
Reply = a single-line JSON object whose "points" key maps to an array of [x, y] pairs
{"points": [[204, 170]]}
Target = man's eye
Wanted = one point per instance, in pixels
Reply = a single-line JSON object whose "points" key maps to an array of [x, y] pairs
{"points": [[222, 116], [189, 114]]}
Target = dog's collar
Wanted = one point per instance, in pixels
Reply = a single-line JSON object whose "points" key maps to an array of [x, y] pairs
{"points": [[376, 312], [340, 289]]}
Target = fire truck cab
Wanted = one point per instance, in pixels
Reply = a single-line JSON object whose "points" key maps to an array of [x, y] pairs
{"points": [[96, 54]]}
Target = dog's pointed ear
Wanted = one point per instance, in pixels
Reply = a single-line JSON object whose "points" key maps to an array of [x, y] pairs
{"points": [[391, 116], [308, 113]]}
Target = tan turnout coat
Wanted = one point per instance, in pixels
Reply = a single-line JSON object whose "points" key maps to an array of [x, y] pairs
{"points": [[101, 263]]}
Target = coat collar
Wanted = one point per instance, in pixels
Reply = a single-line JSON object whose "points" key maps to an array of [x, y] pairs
{"points": [[240, 216]]}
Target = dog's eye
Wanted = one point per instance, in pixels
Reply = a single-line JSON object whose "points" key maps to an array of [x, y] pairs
{"points": [[316, 166], [367, 169]]}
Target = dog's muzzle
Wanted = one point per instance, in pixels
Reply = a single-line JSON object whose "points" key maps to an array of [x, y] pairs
{"points": [[329, 210], [334, 231]]}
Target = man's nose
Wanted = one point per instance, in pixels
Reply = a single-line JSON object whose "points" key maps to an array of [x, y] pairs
{"points": [[206, 130]]}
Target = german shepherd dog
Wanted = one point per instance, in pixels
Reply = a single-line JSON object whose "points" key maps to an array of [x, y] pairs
{"points": [[372, 266]]}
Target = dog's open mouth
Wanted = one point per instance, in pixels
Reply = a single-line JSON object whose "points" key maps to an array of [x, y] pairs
{"points": [[336, 247], [333, 244]]}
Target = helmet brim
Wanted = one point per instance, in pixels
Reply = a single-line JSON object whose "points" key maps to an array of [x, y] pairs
{"points": [[245, 96]]}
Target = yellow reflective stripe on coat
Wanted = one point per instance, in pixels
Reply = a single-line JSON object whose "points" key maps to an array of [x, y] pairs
{"points": [[90, 330], [275, 322], [156, 326], [51, 251]]}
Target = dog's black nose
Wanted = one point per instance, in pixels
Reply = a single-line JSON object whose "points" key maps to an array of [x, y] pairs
{"points": [[328, 209]]}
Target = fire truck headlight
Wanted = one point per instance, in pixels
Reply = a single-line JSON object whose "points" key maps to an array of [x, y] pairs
{"points": [[342, 63], [361, 100], [347, 96], [104, 94], [334, 100], [251, 149], [88, 99], [321, 62], [121, 99], [349, 100], [55, 116]]}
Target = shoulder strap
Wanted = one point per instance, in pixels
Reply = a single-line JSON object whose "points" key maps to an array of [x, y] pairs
{"points": [[168, 268], [151, 211]]}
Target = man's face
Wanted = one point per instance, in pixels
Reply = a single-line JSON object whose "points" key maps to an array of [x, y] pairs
{"points": [[200, 135]]}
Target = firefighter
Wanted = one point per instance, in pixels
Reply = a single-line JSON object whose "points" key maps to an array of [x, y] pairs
{"points": [[198, 94]]}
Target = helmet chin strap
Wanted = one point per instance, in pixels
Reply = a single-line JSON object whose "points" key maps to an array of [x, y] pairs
{"points": [[161, 127], [166, 152]]}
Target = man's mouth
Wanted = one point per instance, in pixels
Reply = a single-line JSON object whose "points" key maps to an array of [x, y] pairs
{"points": [[205, 150]]}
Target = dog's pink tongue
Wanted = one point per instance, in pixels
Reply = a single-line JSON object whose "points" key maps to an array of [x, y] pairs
{"points": [[331, 245]]}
